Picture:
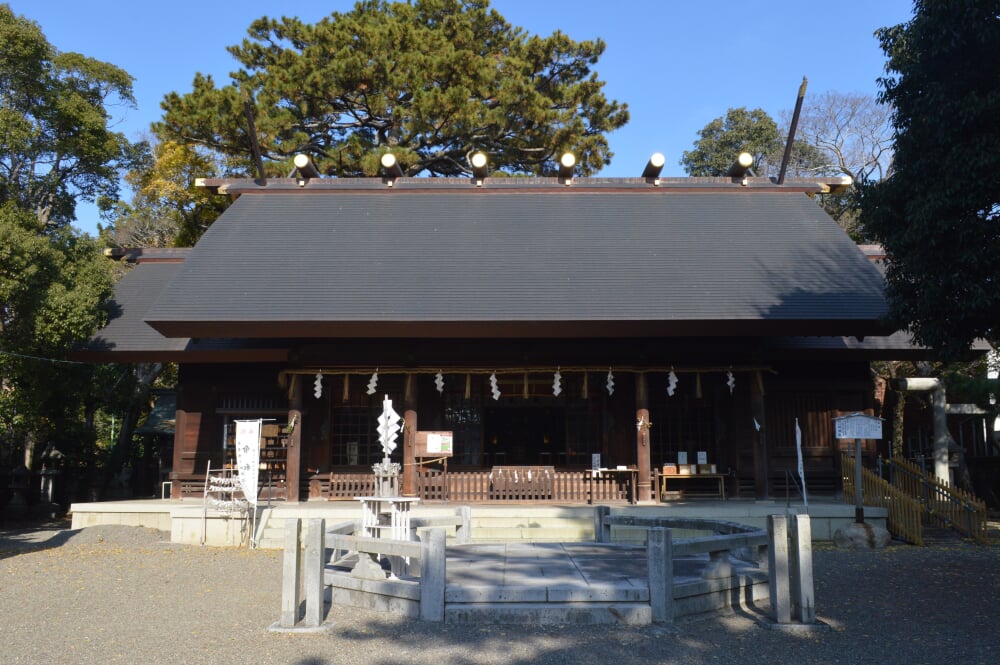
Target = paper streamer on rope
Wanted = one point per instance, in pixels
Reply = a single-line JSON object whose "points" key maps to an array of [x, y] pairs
{"points": [[557, 382], [525, 390], [730, 381], [345, 396], [585, 390], [439, 382], [611, 382], [494, 388], [468, 386], [671, 382], [318, 386], [388, 427], [373, 382]]}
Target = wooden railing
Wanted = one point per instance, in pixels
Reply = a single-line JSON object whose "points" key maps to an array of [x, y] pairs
{"points": [[570, 486], [486, 486], [905, 515], [478, 487], [944, 505]]}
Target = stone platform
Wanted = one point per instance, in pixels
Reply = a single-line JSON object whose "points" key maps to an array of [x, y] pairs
{"points": [[555, 583]]}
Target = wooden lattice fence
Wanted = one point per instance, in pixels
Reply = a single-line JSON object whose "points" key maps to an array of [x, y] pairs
{"points": [[905, 515], [944, 505]]}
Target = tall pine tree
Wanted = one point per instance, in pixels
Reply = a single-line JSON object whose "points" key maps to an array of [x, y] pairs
{"points": [[432, 81]]}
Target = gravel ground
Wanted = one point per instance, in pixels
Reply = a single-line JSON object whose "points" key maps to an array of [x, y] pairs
{"points": [[114, 594]]}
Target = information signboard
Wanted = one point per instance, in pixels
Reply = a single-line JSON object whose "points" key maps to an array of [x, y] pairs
{"points": [[858, 426], [435, 444]]}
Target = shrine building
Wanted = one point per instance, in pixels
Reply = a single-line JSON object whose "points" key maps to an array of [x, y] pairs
{"points": [[666, 325]]}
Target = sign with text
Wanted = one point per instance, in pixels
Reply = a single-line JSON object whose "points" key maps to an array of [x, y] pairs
{"points": [[248, 456], [858, 426], [435, 444]]}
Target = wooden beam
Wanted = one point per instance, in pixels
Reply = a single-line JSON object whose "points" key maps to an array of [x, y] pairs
{"points": [[642, 437], [410, 436], [293, 460]]}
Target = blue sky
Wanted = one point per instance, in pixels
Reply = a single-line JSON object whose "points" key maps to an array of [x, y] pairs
{"points": [[677, 64]]}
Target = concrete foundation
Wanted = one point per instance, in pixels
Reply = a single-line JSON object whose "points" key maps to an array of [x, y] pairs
{"points": [[490, 523]]}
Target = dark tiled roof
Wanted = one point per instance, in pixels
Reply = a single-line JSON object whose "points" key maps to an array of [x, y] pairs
{"points": [[127, 337], [126, 331], [347, 262]]}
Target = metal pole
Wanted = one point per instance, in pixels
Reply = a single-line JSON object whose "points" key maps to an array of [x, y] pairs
{"points": [[859, 509]]}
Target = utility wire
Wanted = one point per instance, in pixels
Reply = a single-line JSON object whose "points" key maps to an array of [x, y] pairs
{"points": [[47, 360]]}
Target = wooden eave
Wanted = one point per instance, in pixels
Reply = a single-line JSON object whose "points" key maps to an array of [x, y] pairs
{"points": [[519, 329], [182, 356]]}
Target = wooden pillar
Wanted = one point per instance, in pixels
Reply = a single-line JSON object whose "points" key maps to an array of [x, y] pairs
{"points": [[180, 427], [642, 437], [293, 460], [410, 437], [760, 463]]}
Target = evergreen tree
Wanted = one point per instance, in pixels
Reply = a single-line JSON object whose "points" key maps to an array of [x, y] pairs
{"points": [[56, 145], [55, 148], [432, 81], [723, 139], [938, 212]]}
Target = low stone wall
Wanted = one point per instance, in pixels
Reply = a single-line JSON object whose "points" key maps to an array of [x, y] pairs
{"points": [[355, 578]]}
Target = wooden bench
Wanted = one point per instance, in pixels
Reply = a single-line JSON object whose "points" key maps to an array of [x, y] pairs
{"points": [[522, 483]]}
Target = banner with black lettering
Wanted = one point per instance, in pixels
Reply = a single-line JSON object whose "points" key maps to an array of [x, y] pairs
{"points": [[248, 456]]}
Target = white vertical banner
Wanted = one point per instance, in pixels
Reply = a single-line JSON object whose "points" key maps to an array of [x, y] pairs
{"points": [[802, 471], [248, 456]]}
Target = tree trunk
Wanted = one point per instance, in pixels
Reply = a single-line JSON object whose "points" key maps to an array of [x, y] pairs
{"points": [[30, 444], [897, 424]]}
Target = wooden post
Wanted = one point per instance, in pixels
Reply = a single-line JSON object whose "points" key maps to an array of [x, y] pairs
{"points": [[315, 548], [760, 464], [180, 428], [433, 573], [642, 437], [293, 454], [801, 569], [291, 576], [602, 532], [777, 564], [660, 565], [410, 437]]}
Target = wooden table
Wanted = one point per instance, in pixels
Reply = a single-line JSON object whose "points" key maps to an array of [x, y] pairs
{"points": [[719, 478]]}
